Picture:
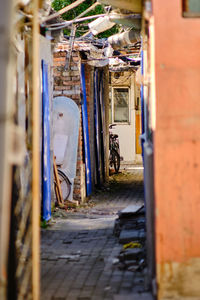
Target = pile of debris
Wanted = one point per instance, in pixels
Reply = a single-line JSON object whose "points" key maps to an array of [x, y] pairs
{"points": [[130, 229]]}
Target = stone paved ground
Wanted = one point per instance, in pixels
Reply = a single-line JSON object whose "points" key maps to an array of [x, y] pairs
{"points": [[79, 250]]}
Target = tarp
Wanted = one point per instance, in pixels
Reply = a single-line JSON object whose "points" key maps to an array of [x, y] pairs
{"points": [[46, 160], [86, 134]]}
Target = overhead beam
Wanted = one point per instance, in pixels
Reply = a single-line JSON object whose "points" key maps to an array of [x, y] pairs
{"points": [[132, 5], [63, 10]]}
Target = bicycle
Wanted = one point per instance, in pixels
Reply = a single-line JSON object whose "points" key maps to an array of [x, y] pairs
{"points": [[62, 185], [114, 157]]}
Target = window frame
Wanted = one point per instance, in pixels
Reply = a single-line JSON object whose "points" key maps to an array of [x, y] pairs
{"points": [[186, 12], [112, 104]]}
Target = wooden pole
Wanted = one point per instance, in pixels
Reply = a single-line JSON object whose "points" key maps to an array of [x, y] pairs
{"points": [[64, 10], [35, 157]]}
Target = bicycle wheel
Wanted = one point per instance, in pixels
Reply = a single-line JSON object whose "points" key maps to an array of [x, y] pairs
{"points": [[65, 184], [116, 160]]}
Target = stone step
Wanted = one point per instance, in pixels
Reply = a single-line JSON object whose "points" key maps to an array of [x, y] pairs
{"points": [[132, 210]]}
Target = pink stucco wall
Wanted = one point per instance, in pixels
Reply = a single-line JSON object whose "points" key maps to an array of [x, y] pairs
{"points": [[177, 133]]}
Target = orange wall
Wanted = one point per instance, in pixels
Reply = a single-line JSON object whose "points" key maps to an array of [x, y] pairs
{"points": [[177, 133]]}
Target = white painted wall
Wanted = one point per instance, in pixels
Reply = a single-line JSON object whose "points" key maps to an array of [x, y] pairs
{"points": [[126, 132]]}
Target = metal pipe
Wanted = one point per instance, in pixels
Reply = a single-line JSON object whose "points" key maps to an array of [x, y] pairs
{"points": [[123, 39]]}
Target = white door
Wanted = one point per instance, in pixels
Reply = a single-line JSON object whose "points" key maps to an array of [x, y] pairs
{"points": [[122, 114]]}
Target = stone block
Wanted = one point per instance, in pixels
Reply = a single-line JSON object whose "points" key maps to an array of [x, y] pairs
{"points": [[130, 254], [131, 211], [127, 236]]}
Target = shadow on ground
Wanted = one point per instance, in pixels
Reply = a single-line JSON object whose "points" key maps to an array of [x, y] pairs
{"points": [[80, 253]]}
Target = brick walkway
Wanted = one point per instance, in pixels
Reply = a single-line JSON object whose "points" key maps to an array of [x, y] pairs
{"points": [[79, 251]]}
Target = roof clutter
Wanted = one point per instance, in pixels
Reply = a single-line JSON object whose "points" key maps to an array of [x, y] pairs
{"points": [[121, 49]]}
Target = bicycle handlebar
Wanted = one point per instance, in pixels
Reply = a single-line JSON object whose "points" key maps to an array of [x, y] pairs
{"points": [[112, 125]]}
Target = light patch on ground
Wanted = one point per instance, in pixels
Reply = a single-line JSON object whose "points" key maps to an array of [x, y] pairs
{"points": [[84, 224]]}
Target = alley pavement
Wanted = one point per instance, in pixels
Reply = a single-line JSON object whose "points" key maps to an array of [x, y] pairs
{"points": [[80, 253]]}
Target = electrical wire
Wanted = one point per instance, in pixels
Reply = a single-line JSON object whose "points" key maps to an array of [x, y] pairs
{"points": [[68, 23], [79, 16]]}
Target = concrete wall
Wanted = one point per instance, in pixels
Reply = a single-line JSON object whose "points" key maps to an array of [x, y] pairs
{"points": [[176, 151]]}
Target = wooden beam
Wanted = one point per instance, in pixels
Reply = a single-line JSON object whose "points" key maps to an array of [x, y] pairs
{"points": [[35, 157], [132, 5], [63, 10], [58, 189]]}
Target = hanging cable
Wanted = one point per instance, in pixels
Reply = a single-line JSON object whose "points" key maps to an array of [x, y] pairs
{"points": [[79, 16], [68, 23]]}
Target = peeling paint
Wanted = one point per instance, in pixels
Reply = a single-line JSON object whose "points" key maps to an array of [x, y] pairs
{"points": [[179, 280]]}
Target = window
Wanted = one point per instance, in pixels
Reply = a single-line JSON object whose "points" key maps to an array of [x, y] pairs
{"points": [[191, 8], [119, 105]]}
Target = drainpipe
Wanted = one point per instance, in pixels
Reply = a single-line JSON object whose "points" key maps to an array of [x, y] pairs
{"points": [[123, 39]]}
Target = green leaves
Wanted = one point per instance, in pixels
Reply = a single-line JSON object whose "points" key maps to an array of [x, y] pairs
{"points": [[73, 13], [59, 4]]}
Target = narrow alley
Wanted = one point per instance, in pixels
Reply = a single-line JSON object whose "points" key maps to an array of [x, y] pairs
{"points": [[100, 139], [80, 252]]}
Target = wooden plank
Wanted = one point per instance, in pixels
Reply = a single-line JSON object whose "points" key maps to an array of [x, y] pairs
{"points": [[36, 156], [58, 189], [64, 10]]}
